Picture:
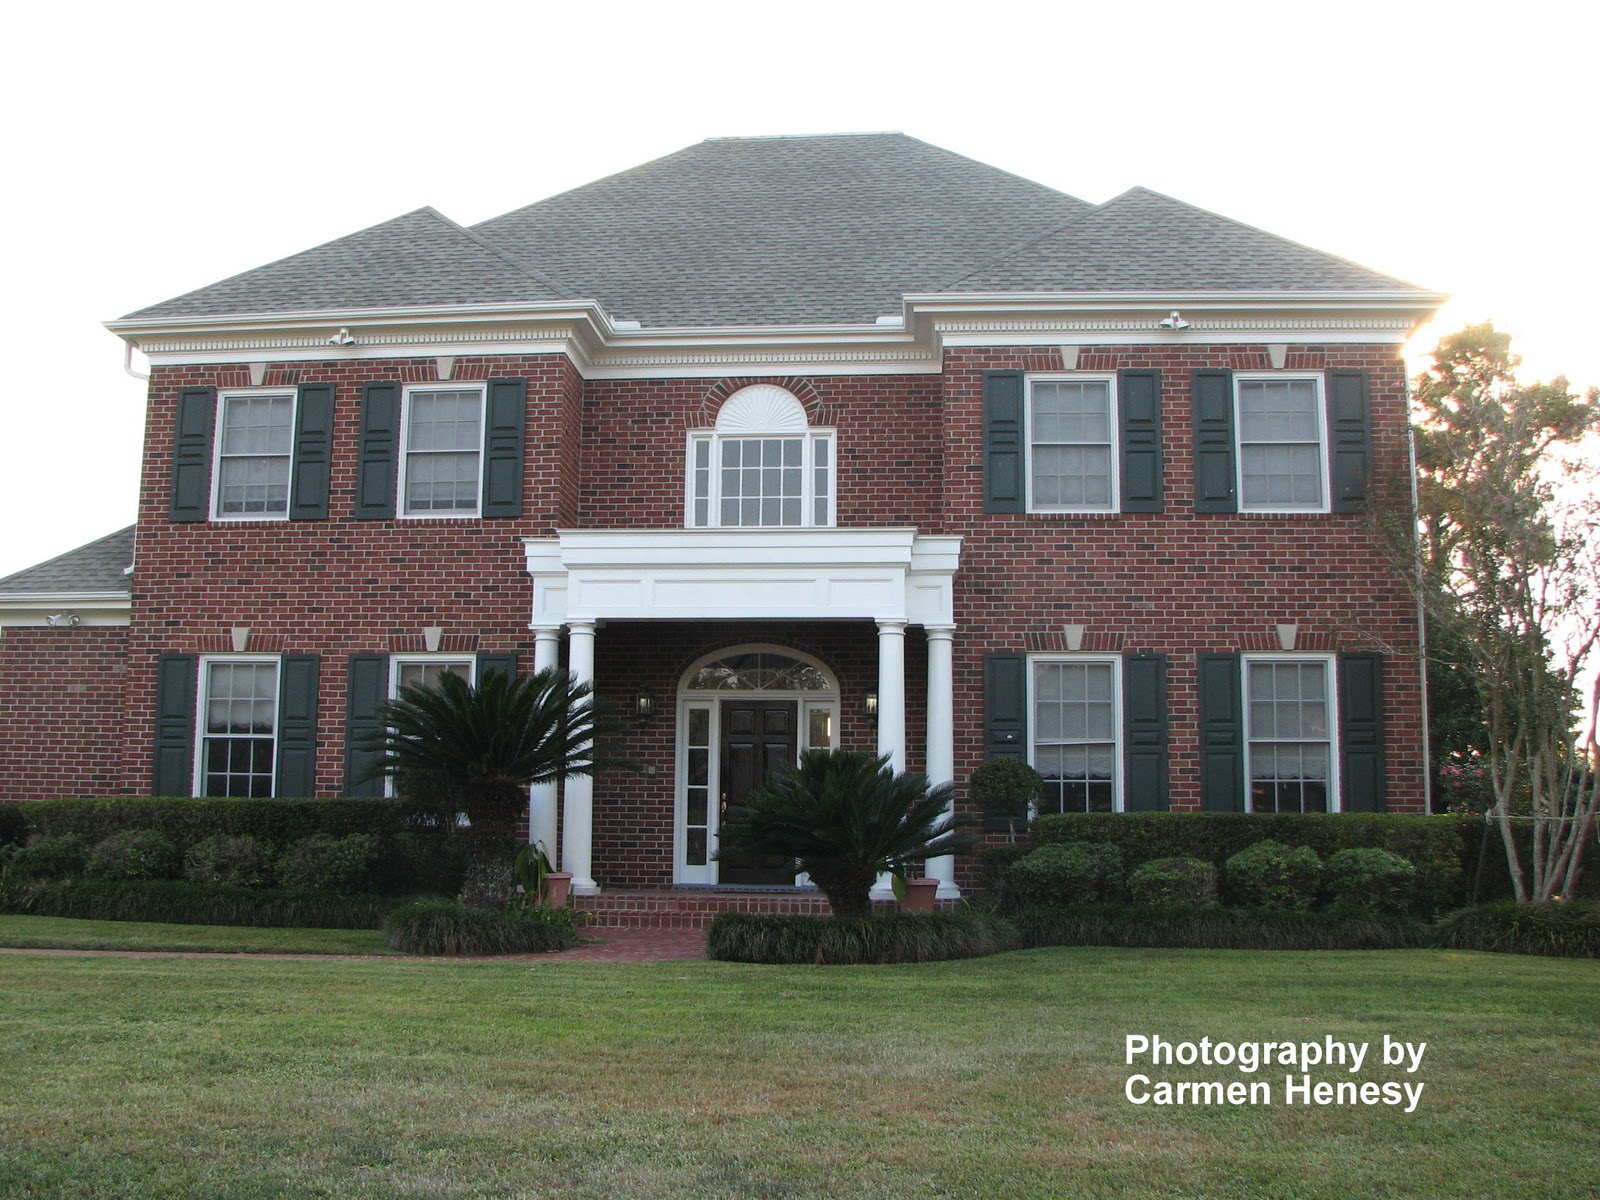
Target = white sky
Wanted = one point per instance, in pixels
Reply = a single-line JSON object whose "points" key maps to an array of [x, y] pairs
{"points": [[156, 147]]}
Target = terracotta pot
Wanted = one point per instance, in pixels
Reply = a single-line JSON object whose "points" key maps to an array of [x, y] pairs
{"points": [[919, 895], [557, 887]]}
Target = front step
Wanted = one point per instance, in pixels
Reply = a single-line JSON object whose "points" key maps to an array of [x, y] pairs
{"points": [[693, 908]]}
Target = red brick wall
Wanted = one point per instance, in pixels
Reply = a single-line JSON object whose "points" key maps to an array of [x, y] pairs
{"points": [[61, 717]]}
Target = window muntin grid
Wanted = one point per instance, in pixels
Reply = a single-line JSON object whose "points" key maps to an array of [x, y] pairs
{"points": [[420, 672], [254, 442], [1072, 445], [761, 481], [444, 451], [1075, 734], [1289, 715], [1281, 455], [239, 727]]}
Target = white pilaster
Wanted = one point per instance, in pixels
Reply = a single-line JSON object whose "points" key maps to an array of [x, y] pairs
{"points": [[542, 799], [578, 835], [891, 712], [941, 745]]}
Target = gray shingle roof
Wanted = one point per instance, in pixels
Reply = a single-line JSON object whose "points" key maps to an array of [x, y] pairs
{"points": [[421, 258], [1144, 241], [765, 231], [98, 567]]}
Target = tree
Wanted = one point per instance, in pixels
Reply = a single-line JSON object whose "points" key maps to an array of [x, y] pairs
{"points": [[846, 817], [1508, 568], [483, 747]]}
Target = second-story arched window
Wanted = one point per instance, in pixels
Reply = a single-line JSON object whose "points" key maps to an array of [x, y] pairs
{"points": [[761, 465]]}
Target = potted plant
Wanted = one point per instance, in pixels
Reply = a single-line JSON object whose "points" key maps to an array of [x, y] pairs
{"points": [[539, 881]]}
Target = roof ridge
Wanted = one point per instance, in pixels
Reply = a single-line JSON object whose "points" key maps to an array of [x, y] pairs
{"points": [[501, 253]]}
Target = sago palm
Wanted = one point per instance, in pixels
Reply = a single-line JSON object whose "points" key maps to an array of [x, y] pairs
{"points": [[846, 817]]}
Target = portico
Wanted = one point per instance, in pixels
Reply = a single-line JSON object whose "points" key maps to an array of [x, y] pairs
{"points": [[895, 578]]}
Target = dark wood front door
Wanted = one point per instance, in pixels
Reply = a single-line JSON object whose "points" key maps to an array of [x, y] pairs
{"points": [[758, 738]]}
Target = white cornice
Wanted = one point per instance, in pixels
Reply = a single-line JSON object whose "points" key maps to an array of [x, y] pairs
{"points": [[602, 348], [18, 609]]}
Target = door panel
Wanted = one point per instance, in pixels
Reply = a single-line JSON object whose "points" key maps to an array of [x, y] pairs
{"points": [[758, 739]]}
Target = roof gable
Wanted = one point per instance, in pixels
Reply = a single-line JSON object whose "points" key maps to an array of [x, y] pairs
{"points": [[421, 258], [99, 567]]}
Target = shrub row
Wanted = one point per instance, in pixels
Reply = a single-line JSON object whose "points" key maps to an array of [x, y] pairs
{"points": [[183, 903], [1569, 930], [1215, 928], [1437, 846], [414, 849], [890, 938], [450, 927]]}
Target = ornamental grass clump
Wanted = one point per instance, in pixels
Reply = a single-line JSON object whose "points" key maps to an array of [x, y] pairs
{"points": [[133, 854], [449, 927], [1565, 929], [1272, 875], [1073, 873], [1174, 882], [889, 938], [1369, 881]]}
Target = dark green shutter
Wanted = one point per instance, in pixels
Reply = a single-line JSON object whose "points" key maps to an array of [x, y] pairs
{"points": [[1214, 487], [366, 691], [1361, 766], [299, 675], [1003, 451], [313, 444], [1005, 721], [377, 471], [1144, 719], [1139, 399], [191, 456], [1221, 734], [174, 760], [502, 447], [1350, 439], [497, 662]]}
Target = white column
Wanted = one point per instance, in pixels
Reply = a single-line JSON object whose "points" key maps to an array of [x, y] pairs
{"points": [[891, 712], [578, 834], [942, 738], [542, 799]]}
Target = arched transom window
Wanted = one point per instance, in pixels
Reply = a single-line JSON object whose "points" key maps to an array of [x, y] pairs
{"points": [[762, 464]]}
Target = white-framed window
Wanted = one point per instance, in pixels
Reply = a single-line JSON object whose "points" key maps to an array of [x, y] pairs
{"points": [[1280, 423], [1075, 731], [236, 750], [425, 670], [1072, 443], [1291, 751], [254, 450], [761, 466], [441, 451]]}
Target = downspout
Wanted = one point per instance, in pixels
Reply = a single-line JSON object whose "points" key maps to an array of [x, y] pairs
{"points": [[1422, 618], [127, 363]]}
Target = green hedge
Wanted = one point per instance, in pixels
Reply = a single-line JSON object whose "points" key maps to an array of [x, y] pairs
{"points": [[890, 938], [451, 927], [1439, 847], [176, 902], [1215, 928], [1569, 930], [417, 851]]}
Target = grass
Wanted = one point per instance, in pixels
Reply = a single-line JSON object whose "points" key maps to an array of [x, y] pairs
{"points": [[65, 933], [984, 1078]]}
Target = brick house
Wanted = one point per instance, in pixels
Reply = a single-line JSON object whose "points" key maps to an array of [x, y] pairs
{"points": [[783, 442]]}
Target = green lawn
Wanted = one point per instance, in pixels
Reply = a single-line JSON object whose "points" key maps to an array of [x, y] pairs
{"points": [[64, 933], [998, 1077]]}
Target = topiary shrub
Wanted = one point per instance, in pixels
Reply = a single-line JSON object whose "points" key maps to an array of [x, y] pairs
{"points": [[1068, 874], [451, 927], [132, 854], [1369, 880], [1272, 875], [1006, 789], [240, 861], [1174, 882], [328, 864], [890, 938], [49, 858], [1570, 929]]}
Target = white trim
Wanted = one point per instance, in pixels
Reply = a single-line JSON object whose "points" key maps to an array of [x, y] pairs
{"points": [[203, 701], [223, 396], [457, 514], [820, 699], [1319, 379], [396, 661], [1113, 416], [808, 439], [1330, 664], [1118, 747], [21, 610]]}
